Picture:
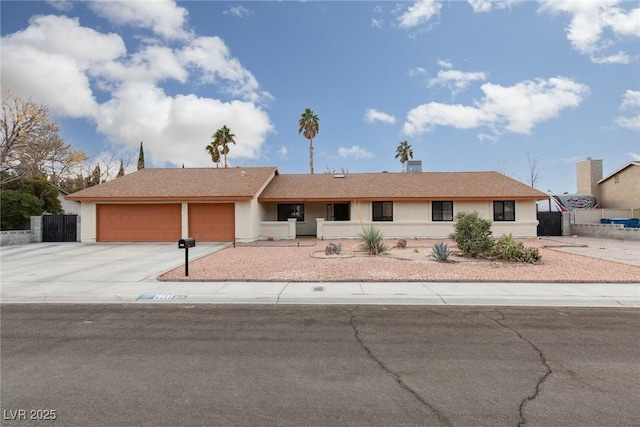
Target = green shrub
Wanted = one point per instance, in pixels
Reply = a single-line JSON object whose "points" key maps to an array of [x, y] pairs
{"points": [[441, 252], [510, 250], [472, 234], [372, 241]]}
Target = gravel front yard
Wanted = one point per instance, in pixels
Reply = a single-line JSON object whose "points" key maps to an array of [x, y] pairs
{"points": [[307, 263]]}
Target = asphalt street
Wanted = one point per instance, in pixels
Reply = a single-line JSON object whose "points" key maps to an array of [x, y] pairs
{"points": [[196, 365]]}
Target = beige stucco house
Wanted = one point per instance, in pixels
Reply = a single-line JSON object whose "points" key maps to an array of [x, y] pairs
{"points": [[618, 190], [244, 204]]}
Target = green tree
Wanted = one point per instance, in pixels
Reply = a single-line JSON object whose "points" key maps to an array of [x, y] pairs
{"points": [[141, 157], [404, 152], [309, 126], [26, 197], [222, 138], [214, 151]]}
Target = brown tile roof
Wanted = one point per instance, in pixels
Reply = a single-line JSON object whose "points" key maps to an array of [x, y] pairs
{"points": [[181, 184], [398, 186]]}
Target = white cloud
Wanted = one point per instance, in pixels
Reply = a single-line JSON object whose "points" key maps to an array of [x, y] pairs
{"points": [[516, 108], [238, 11], [376, 23], [631, 103], [355, 152], [480, 6], [634, 156], [371, 115], [417, 71], [164, 17], [61, 5], [444, 63], [211, 56], [590, 20], [39, 63], [455, 79], [630, 100], [283, 151], [618, 58], [418, 13]]}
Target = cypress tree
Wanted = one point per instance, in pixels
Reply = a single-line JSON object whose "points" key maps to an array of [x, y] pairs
{"points": [[121, 171], [141, 158]]}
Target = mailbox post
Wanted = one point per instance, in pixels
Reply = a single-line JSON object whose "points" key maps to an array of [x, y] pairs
{"points": [[185, 244]]}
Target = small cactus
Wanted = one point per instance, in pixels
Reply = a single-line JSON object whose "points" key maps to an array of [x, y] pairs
{"points": [[441, 252]]}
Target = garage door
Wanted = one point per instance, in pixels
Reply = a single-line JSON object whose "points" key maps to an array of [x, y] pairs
{"points": [[139, 223], [212, 222]]}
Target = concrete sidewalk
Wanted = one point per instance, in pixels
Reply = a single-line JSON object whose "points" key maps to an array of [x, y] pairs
{"points": [[348, 293], [126, 273]]}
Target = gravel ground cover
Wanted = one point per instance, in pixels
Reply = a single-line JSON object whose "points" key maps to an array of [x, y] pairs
{"points": [[279, 261]]}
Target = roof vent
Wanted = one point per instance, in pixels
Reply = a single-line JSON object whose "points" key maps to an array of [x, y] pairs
{"points": [[340, 175], [242, 173], [414, 166]]}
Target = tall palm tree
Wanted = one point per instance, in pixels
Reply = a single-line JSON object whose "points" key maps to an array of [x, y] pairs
{"points": [[404, 152], [214, 152], [223, 137], [309, 128]]}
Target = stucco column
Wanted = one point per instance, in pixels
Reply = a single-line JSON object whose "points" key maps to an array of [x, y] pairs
{"points": [[320, 228], [292, 227], [185, 220]]}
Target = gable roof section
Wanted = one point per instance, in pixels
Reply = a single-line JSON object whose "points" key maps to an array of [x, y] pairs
{"points": [[181, 184], [398, 186], [617, 171]]}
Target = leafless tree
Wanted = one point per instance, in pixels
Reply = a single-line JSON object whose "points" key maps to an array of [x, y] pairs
{"points": [[534, 169]]}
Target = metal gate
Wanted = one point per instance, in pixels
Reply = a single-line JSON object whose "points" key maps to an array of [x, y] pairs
{"points": [[59, 228], [549, 223]]}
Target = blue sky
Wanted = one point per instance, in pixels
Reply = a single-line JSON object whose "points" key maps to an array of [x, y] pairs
{"points": [[471, 86]]}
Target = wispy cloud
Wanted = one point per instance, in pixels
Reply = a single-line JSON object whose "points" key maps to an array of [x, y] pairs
{"points": [[238, 11], [372, 115], [355, 152], [419, 13], [456, 80], [630, 103]]}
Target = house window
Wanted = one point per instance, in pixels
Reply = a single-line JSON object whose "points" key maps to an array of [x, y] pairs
{"points": [[442, 211], [382, 211], [504, 210], [294, 210]]}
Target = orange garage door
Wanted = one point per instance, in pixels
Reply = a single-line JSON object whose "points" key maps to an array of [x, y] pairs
{"points": [[139, 223], [212, 222]]}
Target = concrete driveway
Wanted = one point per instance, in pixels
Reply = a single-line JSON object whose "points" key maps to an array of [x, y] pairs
{"points": [[93, 262]]}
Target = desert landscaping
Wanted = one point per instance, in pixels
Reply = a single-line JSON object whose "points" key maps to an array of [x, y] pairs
{"points": [[304, 260]]}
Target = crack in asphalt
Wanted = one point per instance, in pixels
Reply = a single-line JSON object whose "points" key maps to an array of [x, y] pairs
{"points": [[543, 359], [441, 418]]}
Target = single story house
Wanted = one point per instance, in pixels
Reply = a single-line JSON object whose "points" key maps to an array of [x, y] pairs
{"points": [[244, 204]]}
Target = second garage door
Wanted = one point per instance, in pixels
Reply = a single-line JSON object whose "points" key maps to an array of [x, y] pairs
{"points": [[212, 222]]}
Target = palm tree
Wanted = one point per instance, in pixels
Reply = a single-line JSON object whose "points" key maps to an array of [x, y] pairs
{"points": [[404, 152], [222, 138], [309, 128], [214, 152]]}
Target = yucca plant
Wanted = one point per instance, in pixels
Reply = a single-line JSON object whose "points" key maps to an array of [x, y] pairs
{"points": [[372, 241], [441, 252]]}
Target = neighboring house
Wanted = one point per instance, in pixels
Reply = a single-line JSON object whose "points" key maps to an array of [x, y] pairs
{"points": [[618, 190], [243, 204], [70, 207]]}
